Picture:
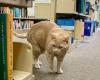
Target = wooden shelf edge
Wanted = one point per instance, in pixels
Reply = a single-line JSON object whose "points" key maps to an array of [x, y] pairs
{"points": [[21, 75], [21, 40], [23, 18], [13, 4], [72, 15]]}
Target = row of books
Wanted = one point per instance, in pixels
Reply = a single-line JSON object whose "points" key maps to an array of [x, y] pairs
{"points": [[4, 10], [83, 6], [20, 12], [6, 47], [22, 25], [17, 12]]}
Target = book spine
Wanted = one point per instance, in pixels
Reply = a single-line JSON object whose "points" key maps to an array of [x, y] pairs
{"points": [[6, 47], [3, 50], [9, 46]]}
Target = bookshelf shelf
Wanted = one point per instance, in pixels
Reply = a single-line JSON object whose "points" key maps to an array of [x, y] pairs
{"points": [[17, 36], [23, 75], [35, 20], [16, 3], [23, 18], [20, 40], [71, 15]]}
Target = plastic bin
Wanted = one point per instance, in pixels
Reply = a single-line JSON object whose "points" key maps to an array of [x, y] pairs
{"points": [[87, 28], [66, 23]]}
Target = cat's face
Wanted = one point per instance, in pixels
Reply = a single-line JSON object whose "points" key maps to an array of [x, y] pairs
{"points": [[58, 47], [58, 44]]}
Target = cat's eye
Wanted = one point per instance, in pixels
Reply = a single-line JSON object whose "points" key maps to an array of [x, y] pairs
{"points": [[65, 40], [53, 45]]}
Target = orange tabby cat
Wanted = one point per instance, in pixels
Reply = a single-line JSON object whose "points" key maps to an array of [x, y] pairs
{"points": [[46, 37]]}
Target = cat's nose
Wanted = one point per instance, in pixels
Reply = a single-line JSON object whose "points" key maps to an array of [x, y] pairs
{"points": [[55, 50]]}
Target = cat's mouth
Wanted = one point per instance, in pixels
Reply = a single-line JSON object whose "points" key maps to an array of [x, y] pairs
{"points": [[56, 52]]}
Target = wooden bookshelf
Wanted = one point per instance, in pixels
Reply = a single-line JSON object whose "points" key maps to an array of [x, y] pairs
{"points": [[62, 8], [17, 3], [22, 50], [22, 70]]}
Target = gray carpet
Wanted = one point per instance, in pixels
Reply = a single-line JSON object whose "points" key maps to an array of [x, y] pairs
{"points": [[82, 63]]}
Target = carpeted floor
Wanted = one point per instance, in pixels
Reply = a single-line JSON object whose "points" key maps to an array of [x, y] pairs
{"points": [[83, 63]]}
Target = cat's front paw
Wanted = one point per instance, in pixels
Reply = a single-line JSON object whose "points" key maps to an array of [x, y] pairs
{"points": [[60, 71], [37, 66]]}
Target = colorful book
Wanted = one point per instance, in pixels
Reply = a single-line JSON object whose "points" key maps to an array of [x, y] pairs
{"points": [[17, 12], [3, 48], [87, 8], [9, 33], [6, 47], [80, 6]]}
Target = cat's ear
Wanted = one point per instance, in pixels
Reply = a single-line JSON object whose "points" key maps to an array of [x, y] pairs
{"points": [[69, 33]]}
